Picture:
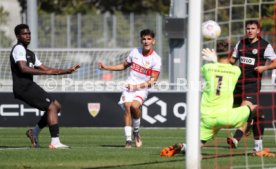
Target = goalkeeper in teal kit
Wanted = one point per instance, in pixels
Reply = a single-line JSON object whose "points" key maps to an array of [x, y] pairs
{"points": [[216, 108]]}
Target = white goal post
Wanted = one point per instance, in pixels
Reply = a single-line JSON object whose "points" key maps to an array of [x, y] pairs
{"points": [[193, 151]]}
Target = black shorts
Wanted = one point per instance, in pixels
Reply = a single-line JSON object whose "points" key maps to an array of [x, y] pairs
{"points": [[249, 92], [35, 96]]}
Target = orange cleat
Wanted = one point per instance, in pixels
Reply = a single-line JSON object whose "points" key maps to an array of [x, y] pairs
{"points": [[171, 150], [264, 153]]}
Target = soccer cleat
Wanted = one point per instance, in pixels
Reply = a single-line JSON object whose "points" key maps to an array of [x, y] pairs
{"points": [[233, 143], [128, 144], [58, 146], [264, 153], [171, 150], [137, 138], [33, 138]]}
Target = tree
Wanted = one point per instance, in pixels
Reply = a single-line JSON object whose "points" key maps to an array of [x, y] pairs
{"points": [[90, 6], [5, 41]]}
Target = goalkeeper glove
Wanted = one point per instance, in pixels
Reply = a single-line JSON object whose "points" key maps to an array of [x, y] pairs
{"points": [[209, 55]]}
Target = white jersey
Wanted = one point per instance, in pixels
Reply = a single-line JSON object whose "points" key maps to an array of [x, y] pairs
{"points": [[142, 66]]}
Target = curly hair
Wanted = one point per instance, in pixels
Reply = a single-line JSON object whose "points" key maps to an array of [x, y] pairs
{"points": [[19, 27]]}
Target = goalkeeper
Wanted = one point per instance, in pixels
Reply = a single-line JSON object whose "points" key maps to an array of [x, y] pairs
{"points": [[217, 98]]}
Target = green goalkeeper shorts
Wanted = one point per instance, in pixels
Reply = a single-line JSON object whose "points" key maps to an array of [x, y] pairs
{"points": [[231, 118]]}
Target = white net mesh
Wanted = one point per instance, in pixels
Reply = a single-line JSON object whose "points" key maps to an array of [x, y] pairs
{"points": [[88, 74]]}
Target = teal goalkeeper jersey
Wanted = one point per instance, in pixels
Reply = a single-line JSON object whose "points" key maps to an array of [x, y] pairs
{"points": [[220, 80]]}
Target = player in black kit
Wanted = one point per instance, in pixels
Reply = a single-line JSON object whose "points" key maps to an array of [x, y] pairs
{"points": [[252, 53], [25, 64]]}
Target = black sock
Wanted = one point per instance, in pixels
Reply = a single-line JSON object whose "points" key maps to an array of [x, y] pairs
{"points": [[238, 134], [43, 121], [258, 128], [54, 130]]}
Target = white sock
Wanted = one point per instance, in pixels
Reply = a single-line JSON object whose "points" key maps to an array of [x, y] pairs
{"points": [[136, 124], [36, 130], [258, 145], [128, 133], [55, 140]]}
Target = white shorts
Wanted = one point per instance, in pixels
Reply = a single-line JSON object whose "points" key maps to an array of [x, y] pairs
{"points": [[130, 96]]}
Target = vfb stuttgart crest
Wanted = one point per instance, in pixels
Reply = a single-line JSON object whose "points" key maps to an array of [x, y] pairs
{"points": [[94, 108]]}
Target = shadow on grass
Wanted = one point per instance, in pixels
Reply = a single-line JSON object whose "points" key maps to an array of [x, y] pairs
{"points": [[112, 146], [137, 164]]}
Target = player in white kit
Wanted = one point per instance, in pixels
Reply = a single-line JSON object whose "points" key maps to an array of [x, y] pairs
{"points": [[145, 66]]}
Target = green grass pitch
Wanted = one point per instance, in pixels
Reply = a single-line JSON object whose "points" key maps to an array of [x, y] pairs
{"points": [[103, 148]]}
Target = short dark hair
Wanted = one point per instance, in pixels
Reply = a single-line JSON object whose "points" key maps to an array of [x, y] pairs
{"points": [[251, 22], [19, 27], [222, 48], [145, 32]]}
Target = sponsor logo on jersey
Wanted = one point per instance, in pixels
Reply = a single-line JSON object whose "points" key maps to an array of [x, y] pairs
{"points": [[247, 60], [255, 51], [141, 69], [94, 108]]}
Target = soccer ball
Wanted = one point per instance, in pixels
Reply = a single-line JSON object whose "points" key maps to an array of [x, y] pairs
{"points": [[210, 29]]}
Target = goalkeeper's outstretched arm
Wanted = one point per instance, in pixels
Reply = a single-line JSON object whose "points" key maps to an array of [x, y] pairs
{"points": [[209, 55]]}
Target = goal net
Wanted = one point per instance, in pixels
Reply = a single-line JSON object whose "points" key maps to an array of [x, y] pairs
{"points": [[232, 16], [87, 78]]}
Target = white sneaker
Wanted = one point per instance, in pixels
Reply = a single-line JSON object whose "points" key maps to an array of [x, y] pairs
{"points": [[58, 146]]}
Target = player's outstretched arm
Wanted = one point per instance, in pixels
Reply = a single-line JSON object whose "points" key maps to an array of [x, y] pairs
{"points": [[121, 66], [44, 70], [54, 71]]}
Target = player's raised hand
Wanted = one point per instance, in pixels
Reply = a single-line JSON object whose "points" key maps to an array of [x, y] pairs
{"points": [[100, 65], [73, 69], [209, 55], [76, 67], [131, 87]]}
